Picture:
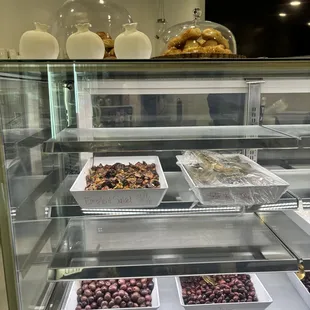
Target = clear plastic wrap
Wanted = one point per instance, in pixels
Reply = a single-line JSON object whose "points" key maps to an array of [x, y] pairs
{"points": [[218, 179]]}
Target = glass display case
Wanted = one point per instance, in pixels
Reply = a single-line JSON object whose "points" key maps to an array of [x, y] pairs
{"points": [[143, 224]]}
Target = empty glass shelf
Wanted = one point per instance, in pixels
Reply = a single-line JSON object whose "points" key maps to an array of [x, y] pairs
{"points": [[162, 246], [293, 231], [302, 132], [168, 138]]}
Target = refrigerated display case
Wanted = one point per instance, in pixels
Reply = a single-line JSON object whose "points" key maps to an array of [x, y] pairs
{"points": [[56, 116]]}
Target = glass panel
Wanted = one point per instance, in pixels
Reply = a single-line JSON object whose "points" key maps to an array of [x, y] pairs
{"points": [[167, 110], [35, 244], [32, 177], [286, 109]]}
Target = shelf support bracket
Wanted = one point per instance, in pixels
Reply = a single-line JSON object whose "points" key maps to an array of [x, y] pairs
{"points": [[253, 109]]}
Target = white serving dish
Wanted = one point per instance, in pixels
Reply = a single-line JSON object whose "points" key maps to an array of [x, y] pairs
{"points": [[264, 299], [71, 302], [236, 195], [300, 288], [119, 198]]}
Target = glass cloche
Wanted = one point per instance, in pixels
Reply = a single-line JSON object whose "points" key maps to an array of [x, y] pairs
{"points": [[105, 17], [199, 37]]}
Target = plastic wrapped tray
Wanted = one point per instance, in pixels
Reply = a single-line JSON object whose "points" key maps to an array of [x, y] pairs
{"points": [[72, 303], [119, 198], [264, 299], [260, 186], [300, 288]]}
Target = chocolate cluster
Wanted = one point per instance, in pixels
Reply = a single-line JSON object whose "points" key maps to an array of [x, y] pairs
{"points": [[120, 176]]}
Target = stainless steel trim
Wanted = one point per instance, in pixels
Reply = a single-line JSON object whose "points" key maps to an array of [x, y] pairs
{"points": [[252, 109]]}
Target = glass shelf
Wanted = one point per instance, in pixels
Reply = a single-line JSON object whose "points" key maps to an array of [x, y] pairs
{"points": [[302, 132], [293, 231], [299, 183], [168, 138], [264, 67], [140, 247], [28, 137]]}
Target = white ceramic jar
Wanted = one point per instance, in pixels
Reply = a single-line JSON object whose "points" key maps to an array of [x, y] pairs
{"points": [[38, 44], [85, 44], [132, 44]]}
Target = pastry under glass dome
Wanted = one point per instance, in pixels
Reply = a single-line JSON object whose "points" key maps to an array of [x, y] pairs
{"points": [[105, 17], [197, 36]]}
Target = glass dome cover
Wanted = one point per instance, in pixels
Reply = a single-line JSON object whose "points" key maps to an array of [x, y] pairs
{"points": [[105, 17], [198, 36]]}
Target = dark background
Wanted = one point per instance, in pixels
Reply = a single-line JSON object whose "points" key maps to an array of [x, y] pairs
{"points": [[258, 28]]}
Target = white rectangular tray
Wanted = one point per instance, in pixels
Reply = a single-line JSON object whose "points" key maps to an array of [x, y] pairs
{"points": [[71, 302], [264, 299], [236, 195], [300, 288], [130, 198]]}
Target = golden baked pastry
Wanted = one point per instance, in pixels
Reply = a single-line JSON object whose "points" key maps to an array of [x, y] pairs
{"points": [[191, 34], [198, 49], [212, 34], [172, 51], [104, 35], [211, 43], [193, 40], [175, 42], [112, 52], [108, 43], [201, 42], [219, 49], [191, 44], [214, 49]]}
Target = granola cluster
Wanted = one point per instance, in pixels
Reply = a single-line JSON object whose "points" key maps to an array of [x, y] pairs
{"points": [[120, 176]]}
